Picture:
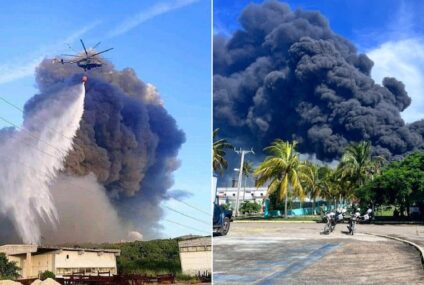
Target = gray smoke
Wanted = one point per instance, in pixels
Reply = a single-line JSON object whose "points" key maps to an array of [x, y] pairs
{"points": [[128, 141], [85, 213], [286, 74]]}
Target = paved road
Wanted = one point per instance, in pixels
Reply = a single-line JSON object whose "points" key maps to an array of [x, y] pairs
{"points": [[281, 253]]}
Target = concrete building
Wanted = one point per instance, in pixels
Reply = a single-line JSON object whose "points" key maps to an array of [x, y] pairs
{"points": [[34, 259], [228, 195], [196, 256]]}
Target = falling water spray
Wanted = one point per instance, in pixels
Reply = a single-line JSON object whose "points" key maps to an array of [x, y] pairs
{"points": [[33, 155]]}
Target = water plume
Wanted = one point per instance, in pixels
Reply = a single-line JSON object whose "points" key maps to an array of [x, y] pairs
{"points": [[33, 155]]}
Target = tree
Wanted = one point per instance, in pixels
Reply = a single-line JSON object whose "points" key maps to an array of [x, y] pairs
{"points": [[248, 170], [357, 167], [250, 207], [400, 183], [283, 170], [8, 270], [315, 184], [331, 186], [219, 163], [47, 274]]}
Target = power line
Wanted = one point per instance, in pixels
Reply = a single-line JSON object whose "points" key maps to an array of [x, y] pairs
{"points": [[193, 207], [185, 226], [23, 112], [188, 216], [30, 167], [33, 135], [37, 137], [59, 150], [79, 186]]}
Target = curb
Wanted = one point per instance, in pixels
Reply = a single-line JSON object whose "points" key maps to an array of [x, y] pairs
{"points": [[416, 246]]}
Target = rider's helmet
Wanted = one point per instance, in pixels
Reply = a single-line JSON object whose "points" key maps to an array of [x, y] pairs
{"points": [[369, 211]]}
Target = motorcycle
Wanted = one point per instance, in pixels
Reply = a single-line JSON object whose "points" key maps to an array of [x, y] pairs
{"points": [[330, 224], [332, 219], [352, 223], [368, 217], [356, 218]]}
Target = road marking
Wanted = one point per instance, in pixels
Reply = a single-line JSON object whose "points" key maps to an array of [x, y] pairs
{"points": [[299, 265]]}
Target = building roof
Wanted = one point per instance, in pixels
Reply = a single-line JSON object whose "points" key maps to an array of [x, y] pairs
{"points": [[15, 249], [204, 241]]}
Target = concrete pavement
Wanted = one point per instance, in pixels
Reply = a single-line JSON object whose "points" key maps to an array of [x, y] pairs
{"points": [[281, 253]]}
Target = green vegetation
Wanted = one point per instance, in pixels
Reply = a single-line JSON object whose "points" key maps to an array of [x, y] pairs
{"points": [[250, 207], [185, 277], [401, 183], [288, 219], [391, 188], [46, 274], [226, 206], [145, 257], [149, 257], [219, 163], [8, 270], [283, 170]]}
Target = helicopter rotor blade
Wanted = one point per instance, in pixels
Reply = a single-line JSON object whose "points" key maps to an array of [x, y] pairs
{"points": [[101, 52], [84, 47], [69, 46], [74, 55], [96, 45]]}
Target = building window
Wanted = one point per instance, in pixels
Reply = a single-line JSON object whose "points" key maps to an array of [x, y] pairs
{"points": [[67, 256]]}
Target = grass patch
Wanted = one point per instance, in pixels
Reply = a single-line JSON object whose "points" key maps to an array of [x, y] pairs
{"points": [[185, 277]]}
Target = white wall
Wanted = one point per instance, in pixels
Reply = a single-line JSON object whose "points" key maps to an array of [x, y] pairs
{"points": [[73, 259], [194, 261]]}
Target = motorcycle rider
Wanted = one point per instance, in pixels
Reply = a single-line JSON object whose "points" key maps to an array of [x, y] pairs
{"points": [[352, 221]]}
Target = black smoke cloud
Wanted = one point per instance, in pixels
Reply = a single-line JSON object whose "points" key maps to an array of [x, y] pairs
{"points": [[127, 139], [286, 74]]}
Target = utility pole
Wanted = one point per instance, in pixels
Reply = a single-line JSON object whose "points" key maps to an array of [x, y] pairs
{"points": [[242, 153]]}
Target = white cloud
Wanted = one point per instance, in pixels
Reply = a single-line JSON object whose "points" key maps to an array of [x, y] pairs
{"points": [[25, 65], [404, 60], [148, 14]]}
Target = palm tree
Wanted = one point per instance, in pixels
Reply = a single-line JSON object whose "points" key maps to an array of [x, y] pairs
{"points": [[315, 183], [283, 170], [357, 166], [330, 183], [248, 170], [219, 163]]}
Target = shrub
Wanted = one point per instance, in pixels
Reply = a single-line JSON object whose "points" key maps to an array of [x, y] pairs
{"points": [[46, 274], [8, 270], [250, 207]]}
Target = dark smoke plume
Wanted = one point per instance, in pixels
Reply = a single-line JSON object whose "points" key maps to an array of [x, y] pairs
{"points": [[127, 139], [286, 74]]}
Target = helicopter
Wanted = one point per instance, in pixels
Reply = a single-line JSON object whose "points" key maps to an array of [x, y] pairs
{"points": [[85, 61]]}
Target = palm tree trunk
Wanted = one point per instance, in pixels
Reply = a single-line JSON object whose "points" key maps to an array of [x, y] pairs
{"points": [[285, 206], [244, 191]]}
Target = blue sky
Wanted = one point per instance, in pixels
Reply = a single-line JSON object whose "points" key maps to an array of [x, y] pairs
{"points": [[390, 32], [166, 42]]}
